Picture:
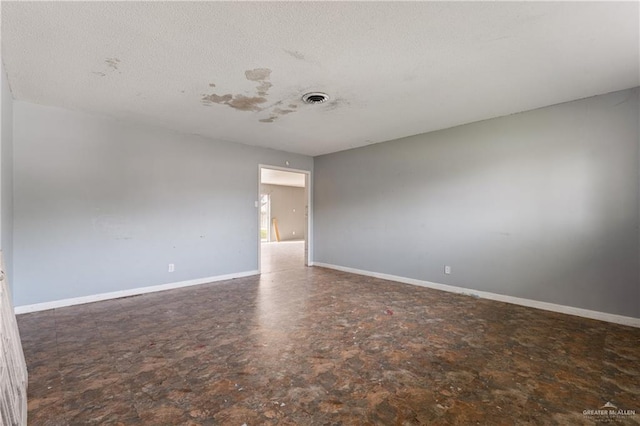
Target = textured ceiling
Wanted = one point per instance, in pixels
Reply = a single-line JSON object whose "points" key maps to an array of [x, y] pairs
{"points": [[236, 71]]}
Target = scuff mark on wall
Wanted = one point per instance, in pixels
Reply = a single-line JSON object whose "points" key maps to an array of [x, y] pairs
{"points": [[113, 226]]}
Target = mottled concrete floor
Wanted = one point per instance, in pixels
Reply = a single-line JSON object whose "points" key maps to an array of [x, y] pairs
{"points": [[311, 346]]}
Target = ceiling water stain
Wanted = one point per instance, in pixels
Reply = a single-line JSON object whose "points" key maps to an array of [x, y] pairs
{"points": [[217, 99], [258, 74], [263, 88], [277, 112], [283, 111], [252, 103], [245, 103], [242, 102], [335, 104], [101, 74]]}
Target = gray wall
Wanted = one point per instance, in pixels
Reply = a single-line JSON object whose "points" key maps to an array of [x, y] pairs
{"points": [[542, 205], [288, 207], [6, 178], [102, 205]]}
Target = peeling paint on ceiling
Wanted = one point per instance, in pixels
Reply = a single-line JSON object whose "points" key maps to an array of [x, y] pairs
{"points": [[239, 102], [251, 103], [261, 75], [392, 69], [242, 102]]}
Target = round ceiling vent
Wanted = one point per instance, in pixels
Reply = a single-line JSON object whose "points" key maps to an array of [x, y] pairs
{"points": [[315, 98]]}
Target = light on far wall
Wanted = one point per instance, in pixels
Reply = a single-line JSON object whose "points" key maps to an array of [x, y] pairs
{"points": [[282, 177]]}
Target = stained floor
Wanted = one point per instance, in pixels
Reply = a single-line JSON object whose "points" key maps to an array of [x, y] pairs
{"points": [[311, 346]]}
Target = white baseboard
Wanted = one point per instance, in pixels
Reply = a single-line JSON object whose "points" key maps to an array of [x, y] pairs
{"points": [[24, 309], [570, 310]]}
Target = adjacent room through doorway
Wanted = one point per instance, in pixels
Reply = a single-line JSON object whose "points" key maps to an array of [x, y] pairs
{"points": [[284, 201]]}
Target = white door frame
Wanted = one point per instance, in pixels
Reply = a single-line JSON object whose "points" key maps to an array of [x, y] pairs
{"points": [[260, 195], [307, 192]]}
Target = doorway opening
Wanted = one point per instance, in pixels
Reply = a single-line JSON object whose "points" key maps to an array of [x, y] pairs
{"points": [[284, 218]]}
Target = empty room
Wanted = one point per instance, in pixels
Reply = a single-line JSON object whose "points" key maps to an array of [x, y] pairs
{"points": [[320, 213]]}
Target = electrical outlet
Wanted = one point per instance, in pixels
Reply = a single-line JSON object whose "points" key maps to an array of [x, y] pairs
{"points": [[172, 267], [447, 269]]}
